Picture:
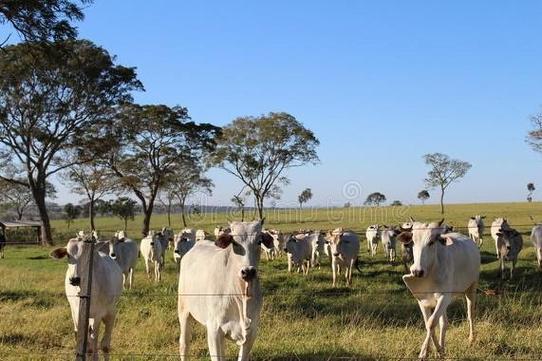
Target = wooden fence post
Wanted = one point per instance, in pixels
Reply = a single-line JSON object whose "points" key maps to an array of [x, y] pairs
{"points": [[85, 287]]}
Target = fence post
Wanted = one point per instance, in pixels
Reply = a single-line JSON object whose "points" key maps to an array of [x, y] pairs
{"points": [[85, 287]]}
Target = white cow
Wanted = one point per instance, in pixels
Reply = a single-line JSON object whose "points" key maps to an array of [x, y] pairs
{"points": [[344, 249], [151, 250], [182, 243], [510, 243], [219, 287], [536, 238], [373, 236], [278, 241], [105, 292], [124, 251], [298, 249], [318, 246], [445, 265], [389, 242], [476, 229], [201, 235], [496, 226]]}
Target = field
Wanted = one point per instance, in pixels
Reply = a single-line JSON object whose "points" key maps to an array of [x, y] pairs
{"points": [[303, 317]]}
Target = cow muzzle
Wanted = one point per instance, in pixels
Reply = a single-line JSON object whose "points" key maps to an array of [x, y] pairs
{"points": [[113, 255], [418, 273], [248, 273], [177, 251], [75, 281], [336, 254]]}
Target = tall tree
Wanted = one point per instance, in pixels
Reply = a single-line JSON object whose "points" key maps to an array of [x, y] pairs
{"points": [[19, 197], [374, 199], [259, 150], [51, 100], [444, 171], [304, 197], [42, 20], [534, 136], [423, 196], [530, 188], [92, 181], [71, 212], [239, 201], [125, 209], [150, 142], [166, 197]]}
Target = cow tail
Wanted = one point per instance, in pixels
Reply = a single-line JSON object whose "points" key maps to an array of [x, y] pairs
{"points": [[358, 264]]}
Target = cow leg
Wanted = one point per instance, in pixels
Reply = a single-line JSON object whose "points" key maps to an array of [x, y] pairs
{"points": [[215, 339], [443, 323], [440, 310], [93, 332], [334, 270], [470, 296], [109, 322], [502, 268], [426, 313], [481, 242], [512, 267], [130, 278], [244, 350], [147, 268], [185, 322]]}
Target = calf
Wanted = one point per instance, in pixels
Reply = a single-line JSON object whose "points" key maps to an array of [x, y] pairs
{"points": [[496, 226], [124, 251], [219, 287], [476, 229], [389, 241], [536, 238], [445, 265], [183, 242], [344, 249], [299, 251], [318, 245], [373, 236], [509, 243], [105, 291], [152, 252]]}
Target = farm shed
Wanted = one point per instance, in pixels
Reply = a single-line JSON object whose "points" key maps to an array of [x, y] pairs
{"points": [[15, 225]]}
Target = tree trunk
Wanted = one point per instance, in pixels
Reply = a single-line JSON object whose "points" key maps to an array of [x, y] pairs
{"points": [[169, 215], [442, 201], [125, 224], [146, 222], [242, 214], [183, 217], [39, 197], [259, 206], [91, 214]]}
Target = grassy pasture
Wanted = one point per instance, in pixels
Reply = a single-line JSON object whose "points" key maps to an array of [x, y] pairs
{"points": [[303, 317]]}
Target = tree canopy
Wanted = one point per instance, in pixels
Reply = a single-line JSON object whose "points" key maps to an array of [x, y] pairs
{"points": [[423, 196], [258, 151], [304, 196], [375, 199]]}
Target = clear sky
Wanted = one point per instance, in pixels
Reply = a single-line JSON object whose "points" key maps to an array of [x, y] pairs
{"points": [[380, 83]]}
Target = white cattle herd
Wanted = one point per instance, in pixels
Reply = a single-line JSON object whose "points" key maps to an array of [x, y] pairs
{"points": [[219, 284]]}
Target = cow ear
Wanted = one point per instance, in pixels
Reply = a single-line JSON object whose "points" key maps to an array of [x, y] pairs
{"points": [[267, 240], [224, 240], [59, 253], [405, 237]]}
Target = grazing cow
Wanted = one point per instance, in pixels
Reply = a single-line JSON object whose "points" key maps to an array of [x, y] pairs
{"points": [[389, 242], [344, 249], [219, 287], [509, 243], [373, 235], [496, 226], [151, 250], [105, 291], [536, 238], [2, 243], [476, 229], [445, 265], [183, 242], [124, 251], [201, 235], [298, 248], [219, 230]]}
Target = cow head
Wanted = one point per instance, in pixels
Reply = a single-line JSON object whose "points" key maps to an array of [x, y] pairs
{"points": [[73, 252], [425, 238], [506, 241], [245, 239], [334, 240]]}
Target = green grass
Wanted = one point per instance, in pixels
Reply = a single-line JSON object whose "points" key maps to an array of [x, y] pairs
{"points": [[303, 317]]}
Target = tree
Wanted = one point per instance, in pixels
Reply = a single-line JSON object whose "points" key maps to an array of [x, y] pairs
{"points": [[166, 197], [150, 143], [51, 101], [347, 205], [396, 204], [71, 212], [444, 171], [423, 196], [258, 150], [534, 136], [304, 197], [124, 208], [102, 207], [239, 201], [42, 20], [530, 188], [93, 181], [374, 199], [19, 197]]}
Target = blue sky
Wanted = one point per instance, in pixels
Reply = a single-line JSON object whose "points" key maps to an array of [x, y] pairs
{"points": [[380, 83]]}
